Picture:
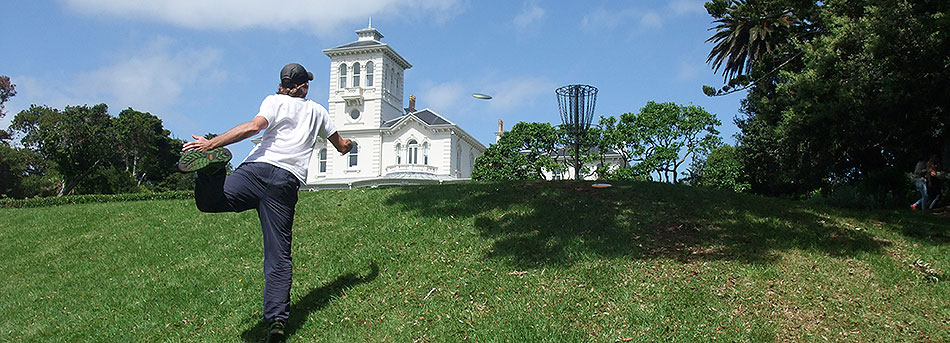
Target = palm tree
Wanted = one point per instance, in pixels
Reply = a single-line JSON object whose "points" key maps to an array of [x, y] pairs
{"points": [[745, 33]]}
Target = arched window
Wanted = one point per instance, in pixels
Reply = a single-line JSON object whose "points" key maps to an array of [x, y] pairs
{"points": [[413, 151], [342, 75], [425, 153], [353, 155], [356, 74], [323, 160], [369, 74], [398, 153], [355, 114]]}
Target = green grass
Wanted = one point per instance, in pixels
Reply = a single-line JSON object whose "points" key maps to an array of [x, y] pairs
{"points": [[521, 262]]}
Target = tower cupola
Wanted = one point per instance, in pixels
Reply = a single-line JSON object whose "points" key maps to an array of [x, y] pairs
{"points": [[369, 33]]}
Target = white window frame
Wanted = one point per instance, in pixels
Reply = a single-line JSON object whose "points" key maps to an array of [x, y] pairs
{"points": [[425, 153], [369, 73], [356, 74], [342, 76], [412, 150], [398, 153], [322, 158], [354, 156]]}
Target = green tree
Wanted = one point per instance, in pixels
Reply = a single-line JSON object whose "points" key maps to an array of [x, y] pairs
{"points": [[745, 31], [145, 147], [24, 173], [622, 137], [719, 169], [76, 140], [523, 153], [868, 94], [7, 91], [663, 136]]}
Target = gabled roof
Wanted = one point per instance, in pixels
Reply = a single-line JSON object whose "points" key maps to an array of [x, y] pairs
{"points": [[430, 117], [426, 116]]}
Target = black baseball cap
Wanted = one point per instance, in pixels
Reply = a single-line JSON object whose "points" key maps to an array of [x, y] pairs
{"points": [[294, 74]]}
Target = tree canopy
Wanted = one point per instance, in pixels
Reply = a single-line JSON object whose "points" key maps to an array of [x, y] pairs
{"points": [[654, 142], [523, 153], [854, 88], [89, 151]]}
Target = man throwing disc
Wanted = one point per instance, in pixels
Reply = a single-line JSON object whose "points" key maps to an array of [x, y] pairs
{"points": [[268, 179]]}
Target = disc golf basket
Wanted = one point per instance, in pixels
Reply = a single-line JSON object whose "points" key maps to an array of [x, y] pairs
{"points": [[576, 103]]}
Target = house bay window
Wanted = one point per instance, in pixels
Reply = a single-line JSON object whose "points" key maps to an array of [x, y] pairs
{"points": [[413, 152]]}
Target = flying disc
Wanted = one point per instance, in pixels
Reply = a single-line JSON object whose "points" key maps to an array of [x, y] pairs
{"points": [[601, 185], [481, 96]]}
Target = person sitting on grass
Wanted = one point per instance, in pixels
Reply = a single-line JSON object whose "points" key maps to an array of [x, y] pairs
{"points": [[269, 178]]}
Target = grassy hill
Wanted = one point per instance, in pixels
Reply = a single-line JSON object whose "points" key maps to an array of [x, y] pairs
{"points": [[522, 262]]}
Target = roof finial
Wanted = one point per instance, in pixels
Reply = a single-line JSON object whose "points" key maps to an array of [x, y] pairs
{"points": [[370, 23]]}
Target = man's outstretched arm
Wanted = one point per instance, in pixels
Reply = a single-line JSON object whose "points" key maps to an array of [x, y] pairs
{"points": [[343, 146], [234, 135]]}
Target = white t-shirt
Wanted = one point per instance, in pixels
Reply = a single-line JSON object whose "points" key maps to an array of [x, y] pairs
{"points": [[293, 126]]}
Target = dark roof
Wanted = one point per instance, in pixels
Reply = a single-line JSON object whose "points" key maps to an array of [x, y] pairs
{"points": [[430, 117], [359, 44], [391, 122], [427, 116]]}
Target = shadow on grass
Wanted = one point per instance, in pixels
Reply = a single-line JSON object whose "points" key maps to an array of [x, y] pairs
{"points": [[534, 224], [315, 300]]}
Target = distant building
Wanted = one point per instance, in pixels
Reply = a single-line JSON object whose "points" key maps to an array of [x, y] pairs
{"points": [[395, 145], [612, 160]]}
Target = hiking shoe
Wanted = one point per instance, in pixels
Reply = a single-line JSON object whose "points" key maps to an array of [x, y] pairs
{"points": [[195, 160], [275, 332]]}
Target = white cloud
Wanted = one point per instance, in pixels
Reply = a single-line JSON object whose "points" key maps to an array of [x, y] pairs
{"points": [[645, 19], [687, 71], [152, 79], [455, 97], [651, 20], [512, 93], [602, 18], [320, 17], [442, 96], [681, 7], [530, 15]]}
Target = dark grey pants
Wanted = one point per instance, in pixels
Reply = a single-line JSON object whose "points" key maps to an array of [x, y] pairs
{"points": [[273, 192]]}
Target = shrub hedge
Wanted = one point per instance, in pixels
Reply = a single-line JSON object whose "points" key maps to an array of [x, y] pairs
{"points": [[92, 198]]}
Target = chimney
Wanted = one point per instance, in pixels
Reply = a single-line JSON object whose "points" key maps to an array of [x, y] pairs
{"points": [[500, 131], [412, 103]]}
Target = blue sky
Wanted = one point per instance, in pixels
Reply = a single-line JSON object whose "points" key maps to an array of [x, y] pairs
{"points": [[204, 66]]}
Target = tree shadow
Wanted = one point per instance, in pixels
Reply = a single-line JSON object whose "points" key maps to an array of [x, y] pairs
{"points": [[534, 224], [315, 300], [933, 228]]}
